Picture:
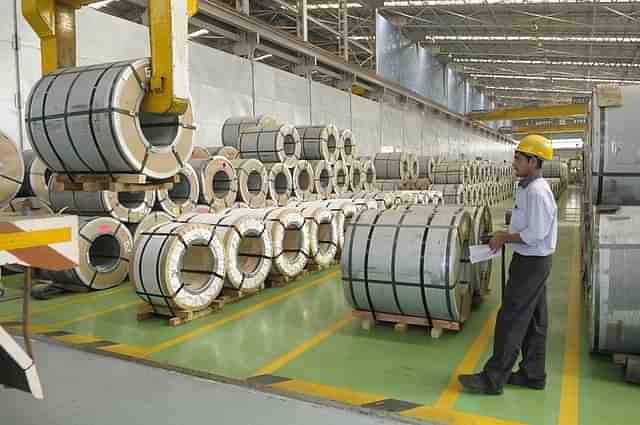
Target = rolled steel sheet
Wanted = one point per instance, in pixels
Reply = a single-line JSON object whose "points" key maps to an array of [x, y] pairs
{"points": [[391, 166], [451, 193], [279, 143], [280, 183], [323, 179], [234, 126], [183, 196], [303, 177], [289, 239], [200, 152], [178, 267], [390, 185], [217, 180], [150, 220], [319, 142], [414, 166], [11, 170], [356, 176], [36, 177], [340, 177], [228, 152], [323, 234], [426, 167], [29, 206], [452, 173], [406, 262], [105, 249], [247, 245], [369, 172], [347, 146], [128, 207], [252, 180], [89, 120], [615, 290]]}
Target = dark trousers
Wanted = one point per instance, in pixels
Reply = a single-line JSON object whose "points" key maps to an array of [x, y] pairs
{"points": [[522, 322]]}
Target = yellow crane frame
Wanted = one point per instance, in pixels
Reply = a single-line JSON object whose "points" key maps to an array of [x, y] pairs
{"points": [[54, 23]]}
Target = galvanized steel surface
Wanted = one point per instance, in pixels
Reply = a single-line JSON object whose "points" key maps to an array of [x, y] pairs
{"points": [[217, 180], [183, 196], [11, 170], [252, 180], [319, 142]]}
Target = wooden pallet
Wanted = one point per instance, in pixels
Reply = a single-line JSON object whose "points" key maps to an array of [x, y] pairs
{"points": [[280, 281], [312, 267], [177, 317], [113, 183], [401, 323], [231, 296]]}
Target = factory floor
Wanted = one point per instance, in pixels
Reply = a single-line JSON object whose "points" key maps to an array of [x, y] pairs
{"points": [[302, 340]]}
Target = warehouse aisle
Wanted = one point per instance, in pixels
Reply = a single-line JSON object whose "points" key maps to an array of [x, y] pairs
{"points": [[302, 340]]}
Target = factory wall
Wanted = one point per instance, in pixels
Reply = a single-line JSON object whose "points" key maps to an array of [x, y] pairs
{"points": [[224, 85]]}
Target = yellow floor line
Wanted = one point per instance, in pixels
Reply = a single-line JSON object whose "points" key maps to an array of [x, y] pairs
{"points": [[74, 299], [235, 316], [77, 339], [59, 325], [342, 395], [308, 344], [468, 364], [452, 417], [570, 373]]}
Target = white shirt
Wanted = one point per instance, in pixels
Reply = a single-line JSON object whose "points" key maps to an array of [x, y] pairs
{"points": [[535, 218]]}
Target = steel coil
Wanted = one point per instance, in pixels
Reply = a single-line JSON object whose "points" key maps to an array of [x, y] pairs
{"points": [[150, 220], [217, 180], [178, 266], [303, 177], [369, 172], [347, 146], [390, 185], [452, 173], [391, 166], [228, 152], [323, 180], [88, 120], [200, 152], [11, 170], [451, 193], [36, 177], [234, 126], [615, 287], [319, 142], [252, 180], [280, 183], [279, 143], [183, 196], [414, 167], [128, 207], [426, 165], [29, 206], [247, 245], [105, 248], [340, 177], [407, 262], [356, 176], [323, 234]]}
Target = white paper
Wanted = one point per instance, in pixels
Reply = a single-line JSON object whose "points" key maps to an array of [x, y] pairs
{"points": [[479, 253]]}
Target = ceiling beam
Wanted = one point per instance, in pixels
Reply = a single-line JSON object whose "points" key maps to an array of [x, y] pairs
{"points": [[548, 111]]}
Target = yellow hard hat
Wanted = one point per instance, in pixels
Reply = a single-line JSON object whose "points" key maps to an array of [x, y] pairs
{"points": [[536, 145]]}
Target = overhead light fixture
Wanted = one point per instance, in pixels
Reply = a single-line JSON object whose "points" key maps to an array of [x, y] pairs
{"points": [[316, 6], [100, 4], [547, 78], [198, 33], [417, 3], [572, 143], [536, 89], [259, 58], [549, 62], [513, 38]]}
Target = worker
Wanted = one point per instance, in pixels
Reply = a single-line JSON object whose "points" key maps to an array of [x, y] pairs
{"points": [[521, 325]]}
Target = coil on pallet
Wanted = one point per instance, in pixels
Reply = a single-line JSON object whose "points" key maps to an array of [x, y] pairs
{"points": [[11, 170], [252, 180], [303, 177], [217, 180], [36, 177], [347, 146], [277, 143], [323, 180], [340, 178], [319, 143], [280, 183], [323, 234]]}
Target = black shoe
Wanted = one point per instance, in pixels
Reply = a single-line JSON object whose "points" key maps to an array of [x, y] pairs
{"points": [[520, 379], [477, 383]]}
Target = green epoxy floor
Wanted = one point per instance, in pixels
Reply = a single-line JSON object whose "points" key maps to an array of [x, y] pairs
{"points": [[411, 366]]}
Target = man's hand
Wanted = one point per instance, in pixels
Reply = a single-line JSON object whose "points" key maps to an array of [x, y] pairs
{"points": [[498, 240]]}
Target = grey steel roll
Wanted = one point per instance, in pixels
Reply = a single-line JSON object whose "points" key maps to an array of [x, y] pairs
{"points": [[11, 170], [414, 167], [340, 178], [391, 166], [228, 152], [323, 234], [128, 207], [289, 239], [252, 180], [451, 193], [456, 172], [36, 177], [217, 181], [280, 183], [29, 206], [369, 173], [319, 142], [390, 185], [303, 177], [89, 120], [178, 267], [615, 287], [323, 178], [200, 153], [105, 249], [348, 146], [234, 126], [150, 220], [183, 196], [426, 167], [356, 176], [406, 262], [280, 143], [247, 245]]}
